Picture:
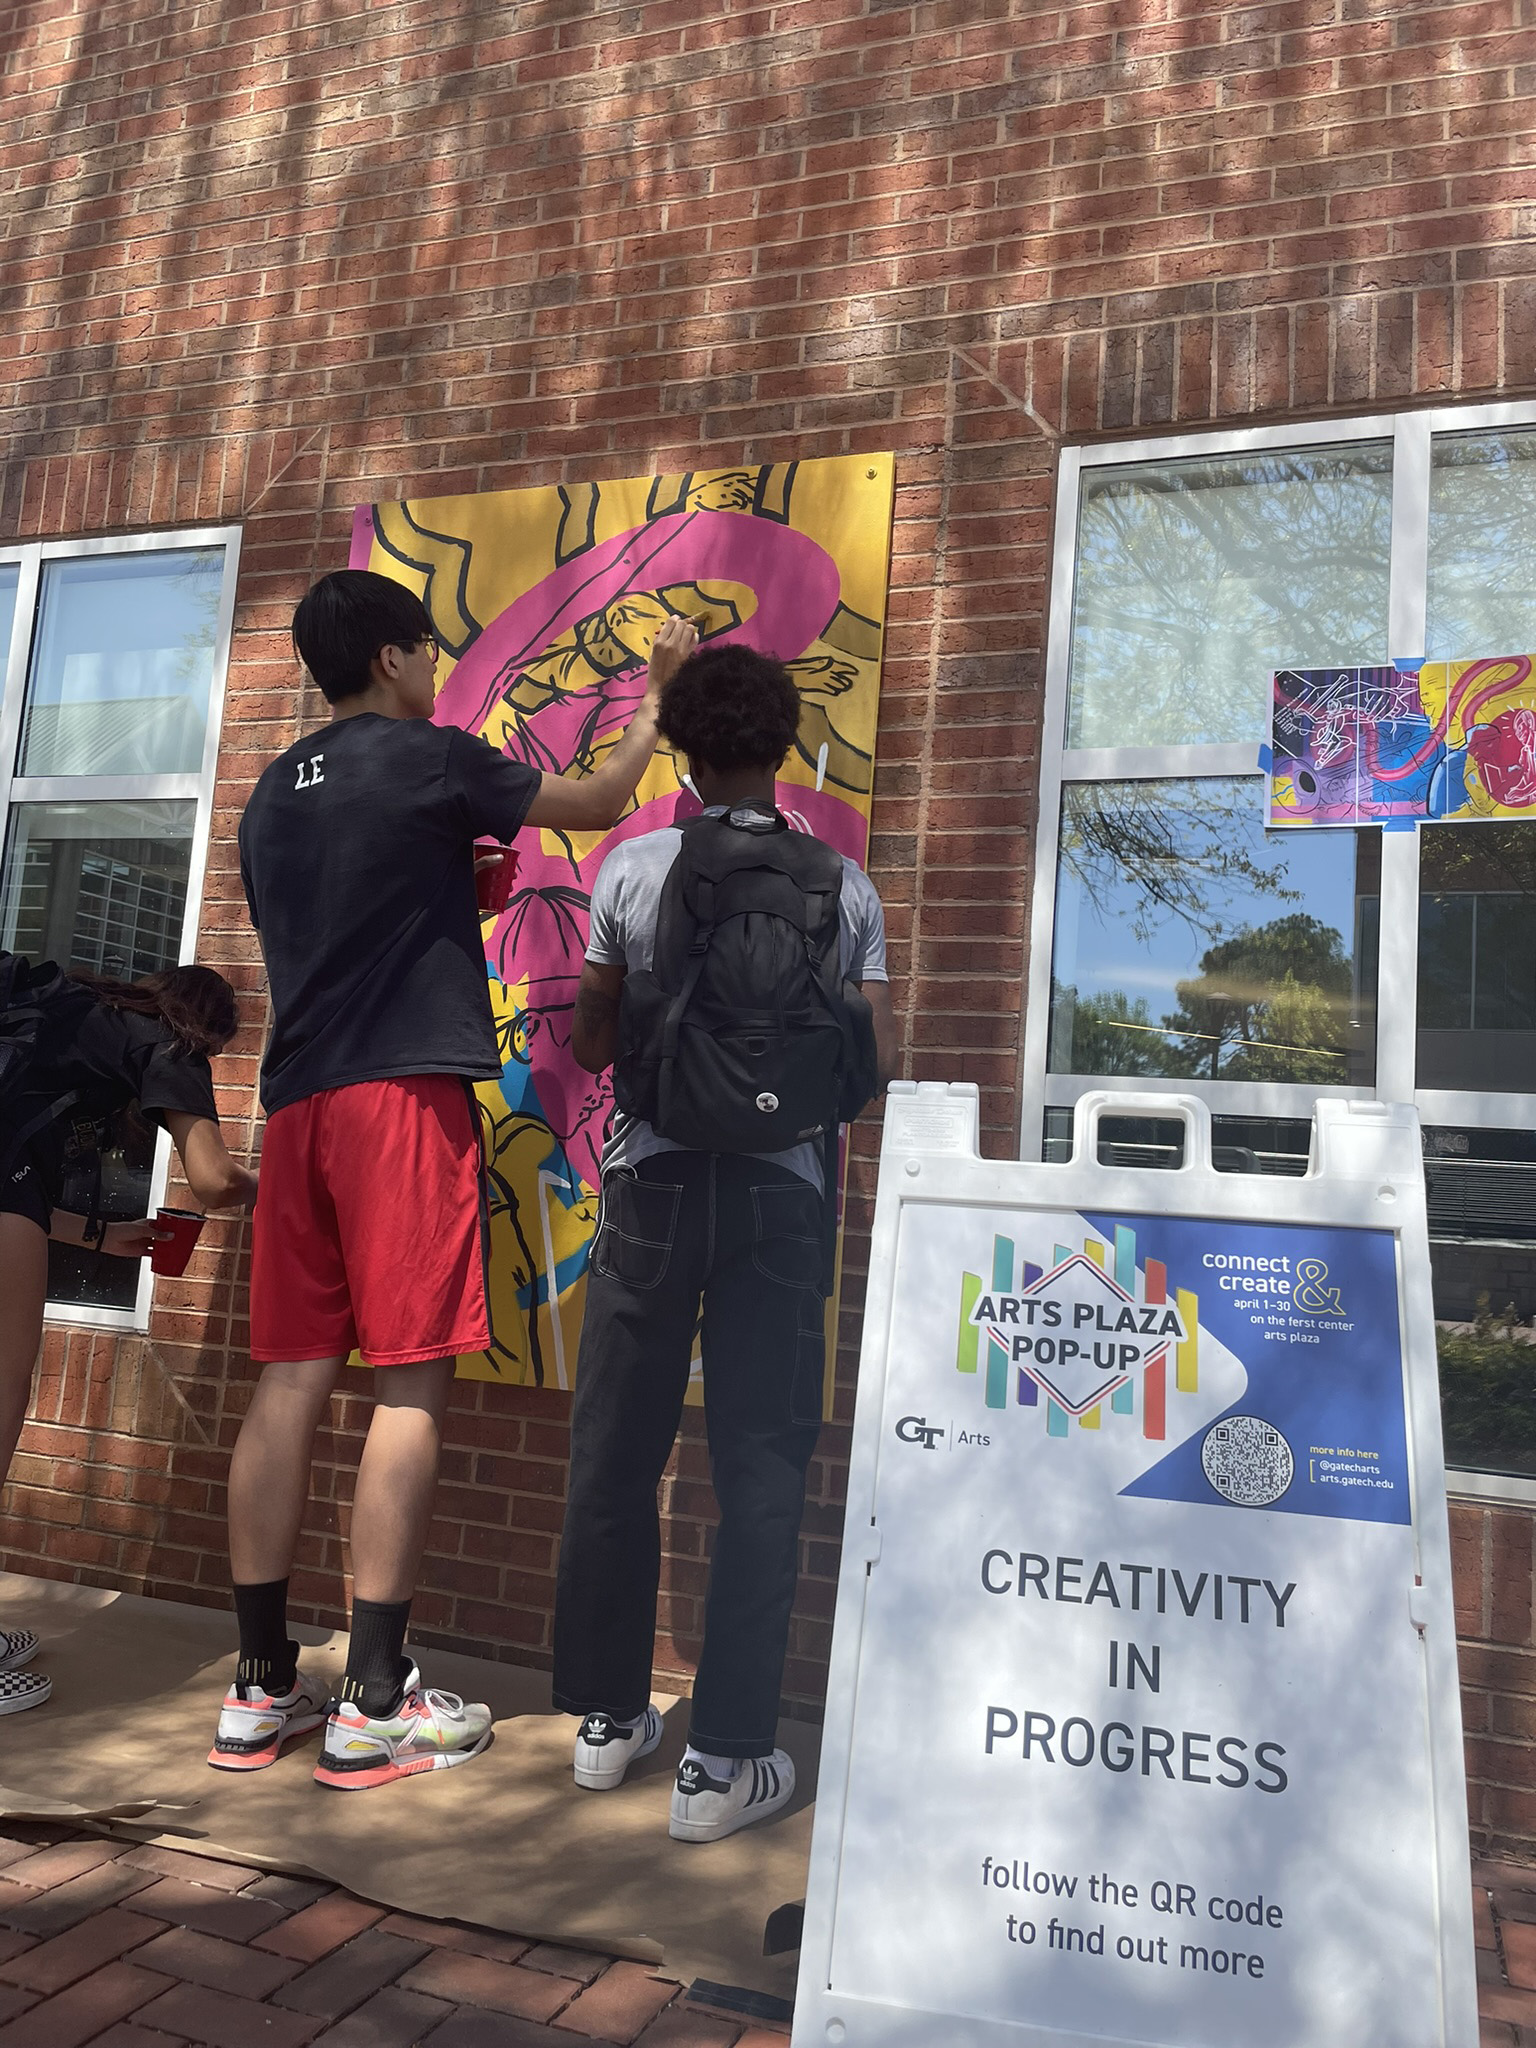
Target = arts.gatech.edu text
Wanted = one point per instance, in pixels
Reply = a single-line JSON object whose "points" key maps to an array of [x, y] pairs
{"points": [[1156, 1923]]}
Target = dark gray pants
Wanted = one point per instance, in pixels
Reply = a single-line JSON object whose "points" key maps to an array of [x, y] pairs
{"points": [[746, 1239]]}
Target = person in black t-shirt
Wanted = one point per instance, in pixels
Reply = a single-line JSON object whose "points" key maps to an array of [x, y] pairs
{"points": [[357, 854], [144, 1043]]}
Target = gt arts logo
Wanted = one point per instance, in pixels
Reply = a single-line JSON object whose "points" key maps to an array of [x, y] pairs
{"points": [[917, 1429], [1094, 1332]]}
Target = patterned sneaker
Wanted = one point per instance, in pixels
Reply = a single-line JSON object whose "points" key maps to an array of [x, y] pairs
{"points": [[605, 1749], [704, 1810], [22, 1689], [428, 1731], [254, 1725], [18, 1646]]}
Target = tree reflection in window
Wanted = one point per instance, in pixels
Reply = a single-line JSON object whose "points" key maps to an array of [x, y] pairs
{"points": [[1197, 579], [1481, 585], [1191, 943]]}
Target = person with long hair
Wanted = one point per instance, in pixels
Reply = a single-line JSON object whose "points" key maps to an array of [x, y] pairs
{"points": [[102, 1047]]}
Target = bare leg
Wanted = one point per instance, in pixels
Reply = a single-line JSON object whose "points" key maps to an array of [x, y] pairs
{"points": [[23, 1288], [269, 1471], [397, 1482]]}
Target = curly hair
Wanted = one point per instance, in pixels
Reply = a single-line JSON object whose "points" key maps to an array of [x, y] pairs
{"points": [[731, 707]]}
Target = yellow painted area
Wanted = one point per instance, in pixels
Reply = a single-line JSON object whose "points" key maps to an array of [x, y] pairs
{"points": [[1090, 1420], [1187, 1366], [1094, 1250]]}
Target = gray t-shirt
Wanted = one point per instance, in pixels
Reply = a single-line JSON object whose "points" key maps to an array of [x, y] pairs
{"points": [[626, 899]]}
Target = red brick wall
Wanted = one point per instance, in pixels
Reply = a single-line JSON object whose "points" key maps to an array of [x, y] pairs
{"points": [[267, 261], [1494, 1559]]}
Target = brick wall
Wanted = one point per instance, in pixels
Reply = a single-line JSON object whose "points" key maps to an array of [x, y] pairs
{"points": [[267, 261], [1494, 1561]]}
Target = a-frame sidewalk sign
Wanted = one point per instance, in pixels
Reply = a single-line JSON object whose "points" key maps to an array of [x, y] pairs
{"points": [[1143, 1722]]}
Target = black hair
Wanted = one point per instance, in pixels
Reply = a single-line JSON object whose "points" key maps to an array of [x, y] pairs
{"points": [[197, 1005], [345, 619], [731, 707]]}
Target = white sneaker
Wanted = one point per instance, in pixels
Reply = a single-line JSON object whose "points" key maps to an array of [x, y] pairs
{"points": [[428, 1731], [18, 1646], [22, 1689], [605, 1749], [704, 1810], [254, 1724]]}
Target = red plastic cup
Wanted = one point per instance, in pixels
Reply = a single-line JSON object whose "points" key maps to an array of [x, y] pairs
{"points": [[493, 882], [171, 1256]]}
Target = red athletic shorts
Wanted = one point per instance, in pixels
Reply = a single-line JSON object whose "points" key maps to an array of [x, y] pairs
{"points": [[370, 1225]]}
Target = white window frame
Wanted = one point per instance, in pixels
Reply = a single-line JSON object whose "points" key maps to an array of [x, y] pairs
{"points": [[195, 788], [1411, 435]]}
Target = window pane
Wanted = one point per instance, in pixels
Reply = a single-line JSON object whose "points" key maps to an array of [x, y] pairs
{"points": [[1481, 1187], [122, 665], [94, 1279], [1196, 580], [100, 886], [103, 887], [1191, 942], [1481, 587], [1477, 958]]}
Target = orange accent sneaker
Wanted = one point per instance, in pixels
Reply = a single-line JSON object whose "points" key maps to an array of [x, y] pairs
{"points": [[428, 1731], [255, 1724]]}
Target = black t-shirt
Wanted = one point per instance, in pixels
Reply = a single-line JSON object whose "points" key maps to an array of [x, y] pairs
{"points": [[115, 1058], [357, 855]]}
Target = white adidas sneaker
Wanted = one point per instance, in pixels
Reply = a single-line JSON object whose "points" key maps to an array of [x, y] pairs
{"points": [[605, 1748], [704, 1810]]}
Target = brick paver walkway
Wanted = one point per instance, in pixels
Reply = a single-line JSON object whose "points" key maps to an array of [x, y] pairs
{"points": [[119, 1946], [123, 1946], [1504, 1896]]}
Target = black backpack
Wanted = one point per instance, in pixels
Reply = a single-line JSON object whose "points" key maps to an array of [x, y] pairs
{"points": [[744, 1036], [37, 1004]]}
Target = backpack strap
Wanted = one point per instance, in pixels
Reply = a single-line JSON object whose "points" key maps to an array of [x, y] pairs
{"points": [[34, 1125]]}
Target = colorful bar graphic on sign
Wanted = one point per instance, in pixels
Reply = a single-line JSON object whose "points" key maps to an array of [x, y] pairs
{"points": [[545, 603], [1409, 742], [1305, 1395]]}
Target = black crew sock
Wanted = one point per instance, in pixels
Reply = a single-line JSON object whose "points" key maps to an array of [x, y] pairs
{"points": [[267, 1657], [376, 1664]]}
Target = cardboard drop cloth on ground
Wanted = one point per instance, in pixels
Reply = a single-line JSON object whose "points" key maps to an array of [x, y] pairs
{"points": [[506, 1841]]}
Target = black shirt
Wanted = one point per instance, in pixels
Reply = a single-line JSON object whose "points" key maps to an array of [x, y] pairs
{"points": [[357, 855], [115, 1058]]}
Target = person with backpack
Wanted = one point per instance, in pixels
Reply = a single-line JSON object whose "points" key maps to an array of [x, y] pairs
{"points": [[75, 1053], [357, 852], [735, 978]]}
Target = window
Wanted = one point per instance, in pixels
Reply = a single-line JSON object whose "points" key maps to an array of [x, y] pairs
{"points": [[1180, 947], [109, 721]]}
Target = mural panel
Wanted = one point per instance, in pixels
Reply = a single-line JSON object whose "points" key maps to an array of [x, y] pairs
{"points": [[1410, 742], [545, 603]]}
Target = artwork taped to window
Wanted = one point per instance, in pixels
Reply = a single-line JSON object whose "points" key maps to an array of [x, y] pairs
{"points": [[545, 603], [1405, 743]]}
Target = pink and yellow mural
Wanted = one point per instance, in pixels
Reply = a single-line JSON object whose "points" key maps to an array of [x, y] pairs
{"points": [[545, 603], [1404, 743]]}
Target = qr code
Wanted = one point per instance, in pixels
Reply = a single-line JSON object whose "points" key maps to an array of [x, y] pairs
{"points": [[1247, 1460]]}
